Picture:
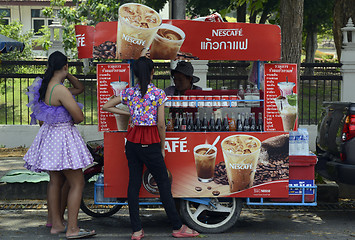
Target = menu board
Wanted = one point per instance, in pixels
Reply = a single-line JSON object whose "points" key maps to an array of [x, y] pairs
{"points": [[280, 97], [111, 80]]}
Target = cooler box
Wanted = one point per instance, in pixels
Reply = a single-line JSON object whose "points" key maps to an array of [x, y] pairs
{"points": [[301, 174]]}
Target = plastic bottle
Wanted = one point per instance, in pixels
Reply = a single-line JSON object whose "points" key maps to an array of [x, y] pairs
{"points": [[292, 143], [232, 123], [246, 126], [298, 143], [306, 142], [170, 123], [248, 96], [241, 95], [197, 124], [225, 125], [100, 189], [212, 124], [239, 123], [260, 126], [176, 123], [252, 122], [183, 122], [218, 126], [190, 123], [256, 96], [303, 147], [204, 124]]}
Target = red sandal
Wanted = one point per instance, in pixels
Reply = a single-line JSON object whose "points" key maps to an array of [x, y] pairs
{"points": [[139, 237], [183, 234]]}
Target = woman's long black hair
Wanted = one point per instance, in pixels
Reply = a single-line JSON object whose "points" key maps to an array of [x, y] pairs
{"points": [[56, 61], [142, 69]]}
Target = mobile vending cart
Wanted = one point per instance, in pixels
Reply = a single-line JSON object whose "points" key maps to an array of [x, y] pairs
{"points": [[252, 166]]}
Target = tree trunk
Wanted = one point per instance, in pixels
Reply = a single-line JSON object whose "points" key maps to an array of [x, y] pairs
{"points": [[343, 10], [291, 22], [311, 47], [241, 13]]}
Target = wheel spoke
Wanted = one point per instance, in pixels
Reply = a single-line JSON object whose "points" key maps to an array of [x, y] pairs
{"points": [[221, 208], [199, 210]]}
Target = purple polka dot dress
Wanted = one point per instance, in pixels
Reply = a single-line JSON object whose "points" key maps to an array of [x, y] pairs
{"points": [[58, 145]]}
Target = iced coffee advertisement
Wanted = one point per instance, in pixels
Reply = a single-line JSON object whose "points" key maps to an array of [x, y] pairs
{"points": [[213, 164], [280, 97], [111, 80], [141, 31]]}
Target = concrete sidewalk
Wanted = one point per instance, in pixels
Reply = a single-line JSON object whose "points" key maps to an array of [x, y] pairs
{"points": [[10, 163]]}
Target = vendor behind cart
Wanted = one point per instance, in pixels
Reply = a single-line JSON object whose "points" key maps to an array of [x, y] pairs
{"points": [[183, 79]]}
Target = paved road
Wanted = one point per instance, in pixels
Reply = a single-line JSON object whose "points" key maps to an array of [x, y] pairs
{"points": [[275, 224]]}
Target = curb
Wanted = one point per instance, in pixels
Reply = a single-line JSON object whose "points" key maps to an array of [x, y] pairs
{"points": [[22, 191]]}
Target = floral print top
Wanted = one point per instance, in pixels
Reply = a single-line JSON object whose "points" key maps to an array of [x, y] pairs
{"points": [[144, 111]]}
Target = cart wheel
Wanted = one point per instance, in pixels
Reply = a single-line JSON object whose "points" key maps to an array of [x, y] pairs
{"points": [[207, 219], [87, 201]]}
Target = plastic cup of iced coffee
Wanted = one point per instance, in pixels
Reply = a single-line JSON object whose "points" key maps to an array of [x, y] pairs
{"points": [[205, 163], [280, 102], [117, 87], [137, 27], [288, 115], [167, 42], [241, 153], [122, 122], [286, 88]]}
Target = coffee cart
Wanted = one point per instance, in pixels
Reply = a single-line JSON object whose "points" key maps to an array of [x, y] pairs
{"points": [[259, 172]]}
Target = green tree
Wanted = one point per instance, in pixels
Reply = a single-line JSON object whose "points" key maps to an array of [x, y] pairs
{"points": [[317, 19]]}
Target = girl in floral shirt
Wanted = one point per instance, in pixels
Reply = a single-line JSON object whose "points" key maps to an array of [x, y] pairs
{"points": [[145, 145]]}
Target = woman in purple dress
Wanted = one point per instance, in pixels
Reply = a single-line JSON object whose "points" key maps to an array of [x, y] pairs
{"points": [[58, 148]]}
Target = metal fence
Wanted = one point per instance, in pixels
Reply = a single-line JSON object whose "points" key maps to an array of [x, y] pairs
{"points": [[318, 82]]}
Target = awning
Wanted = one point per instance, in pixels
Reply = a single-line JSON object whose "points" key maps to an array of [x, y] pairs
{"points": [[8, 44]]}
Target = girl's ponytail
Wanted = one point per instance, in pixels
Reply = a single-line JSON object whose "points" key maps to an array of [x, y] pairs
{"points": [[142, 69], [56, 61]]}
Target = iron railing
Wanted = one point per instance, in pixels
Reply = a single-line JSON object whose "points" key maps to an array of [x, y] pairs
{"points": [[318, 82]]}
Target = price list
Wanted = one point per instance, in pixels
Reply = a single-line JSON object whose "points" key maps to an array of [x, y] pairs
{"points": [[107, 75], [280, 97]]}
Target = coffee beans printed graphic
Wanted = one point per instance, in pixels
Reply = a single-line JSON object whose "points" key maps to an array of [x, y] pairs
{"points": [[273, 170], [106, 50], [220, 174]]}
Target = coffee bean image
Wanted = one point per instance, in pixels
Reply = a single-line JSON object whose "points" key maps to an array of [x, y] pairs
{"points": [[198, 189], [106, 50], [215, 193], [209, 187], [220, 174]]}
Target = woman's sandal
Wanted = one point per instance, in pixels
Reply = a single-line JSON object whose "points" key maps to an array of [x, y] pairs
{"points": [[183, 234], [82, 234], [139, 237]]}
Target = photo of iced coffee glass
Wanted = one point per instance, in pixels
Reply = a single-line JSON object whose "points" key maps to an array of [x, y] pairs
{"points": [[167, 42], [117, 87], [241, 153], [286, 88], [205, 163], [137, 27], [288, 115]]}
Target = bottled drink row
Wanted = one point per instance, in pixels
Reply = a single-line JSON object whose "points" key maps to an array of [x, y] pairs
{"points": [[245, 98], [185, 122]]}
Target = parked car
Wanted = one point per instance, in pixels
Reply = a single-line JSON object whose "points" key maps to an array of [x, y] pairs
{"points": [[335, 142]]}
